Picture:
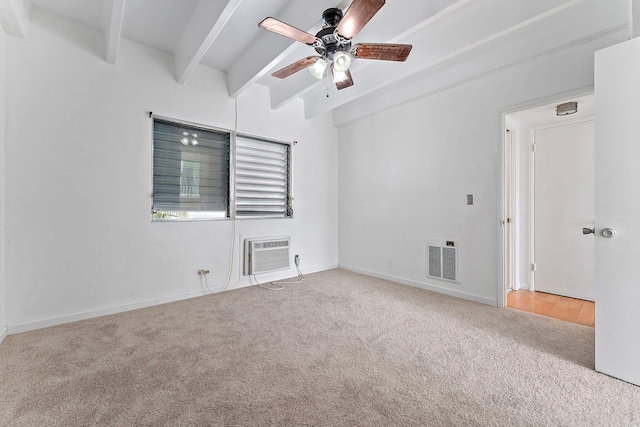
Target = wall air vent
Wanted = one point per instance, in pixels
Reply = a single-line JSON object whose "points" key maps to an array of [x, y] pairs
{"points": [[442, 259], [261, 256]]}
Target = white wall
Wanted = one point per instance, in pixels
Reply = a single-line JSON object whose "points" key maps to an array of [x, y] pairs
{"points": [[80, 239], [3, 269], [404, 174]]}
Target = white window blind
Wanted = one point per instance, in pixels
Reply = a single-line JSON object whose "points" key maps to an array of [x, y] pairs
{"points": [[190, 171], [262, 178]]}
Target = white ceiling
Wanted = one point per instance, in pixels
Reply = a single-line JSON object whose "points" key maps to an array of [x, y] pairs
{"points": [[467, 37]]}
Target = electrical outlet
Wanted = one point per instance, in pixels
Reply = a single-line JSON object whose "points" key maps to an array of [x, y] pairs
{"points": [[390, 263], [296, 259], [202, 272]]}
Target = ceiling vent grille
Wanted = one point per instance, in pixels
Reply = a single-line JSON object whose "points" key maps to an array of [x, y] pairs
{"points": [[442, 259]]}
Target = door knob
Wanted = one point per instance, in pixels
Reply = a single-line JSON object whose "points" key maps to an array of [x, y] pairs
{"points": [[588, 230], [608, 232]]}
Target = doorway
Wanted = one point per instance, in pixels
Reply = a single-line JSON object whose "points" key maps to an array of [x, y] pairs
{"points": [[545, 200], [564, 185]]}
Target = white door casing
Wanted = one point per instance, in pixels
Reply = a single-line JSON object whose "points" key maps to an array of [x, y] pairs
{"points": [[617, 127], [508, 214], [564, 204]]}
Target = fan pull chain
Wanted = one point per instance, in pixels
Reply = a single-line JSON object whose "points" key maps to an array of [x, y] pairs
{"points": [[328, 83]]}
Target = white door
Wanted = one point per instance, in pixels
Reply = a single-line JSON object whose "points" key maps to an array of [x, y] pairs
{"points": [[564, 205], [617, 98]]}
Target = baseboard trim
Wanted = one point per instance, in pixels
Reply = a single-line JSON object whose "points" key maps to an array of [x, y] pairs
{"points": [[17, 328], [451, 292], [3, 333]]}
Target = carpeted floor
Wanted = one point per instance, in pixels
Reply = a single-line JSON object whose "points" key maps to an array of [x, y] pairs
{"points": [[340, 349]]}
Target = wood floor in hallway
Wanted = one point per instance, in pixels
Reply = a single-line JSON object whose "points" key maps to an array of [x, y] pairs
{"points": [[569, 309]]}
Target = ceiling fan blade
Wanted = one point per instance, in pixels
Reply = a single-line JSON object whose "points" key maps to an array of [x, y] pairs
{"points": [[295, 67], [357, 16], [382, 51], [287, 30], [348, 82]]}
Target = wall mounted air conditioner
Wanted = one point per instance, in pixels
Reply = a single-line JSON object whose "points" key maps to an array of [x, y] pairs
{"points": [[263, 255], [442, 259]]}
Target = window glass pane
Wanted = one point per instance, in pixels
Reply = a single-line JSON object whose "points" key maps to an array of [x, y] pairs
{"points": [[190, 179], [190, 172]]}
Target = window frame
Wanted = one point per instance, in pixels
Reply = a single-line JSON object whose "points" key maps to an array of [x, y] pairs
{"points": [[231, 209]]}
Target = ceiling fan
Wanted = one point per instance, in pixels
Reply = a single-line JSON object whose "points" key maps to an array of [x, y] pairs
{"points": [[333, 43]]}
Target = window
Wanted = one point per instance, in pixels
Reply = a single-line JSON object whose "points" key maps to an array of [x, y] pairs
{"points": [[262, 178], [190, 172]]}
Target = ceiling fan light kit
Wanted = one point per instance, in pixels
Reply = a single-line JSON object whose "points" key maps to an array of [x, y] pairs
{"points": [[318, 68], [333, 43], [339, 76], [341, 61]]}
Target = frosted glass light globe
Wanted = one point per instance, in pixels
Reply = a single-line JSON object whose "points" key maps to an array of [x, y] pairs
{"points": [[317, 69], [341, 61], [339, 76]]}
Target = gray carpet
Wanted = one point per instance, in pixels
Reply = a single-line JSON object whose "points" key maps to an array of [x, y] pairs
{"points": [[338, 349]]}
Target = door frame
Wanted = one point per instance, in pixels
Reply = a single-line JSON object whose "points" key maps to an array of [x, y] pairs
{"points": [[509, 206], [505, 256]]}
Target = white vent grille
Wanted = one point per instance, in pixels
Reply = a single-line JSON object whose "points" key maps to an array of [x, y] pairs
{"points": [[435, 261], [265, 255], [442, 259]]}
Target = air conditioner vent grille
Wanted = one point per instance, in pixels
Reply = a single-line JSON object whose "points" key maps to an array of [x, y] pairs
{"points": [[435, 261], [271, 260], [442, 259], [449, 263]]}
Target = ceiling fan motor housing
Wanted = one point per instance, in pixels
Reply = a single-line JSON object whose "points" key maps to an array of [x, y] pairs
{"points": [[331, 17]]}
